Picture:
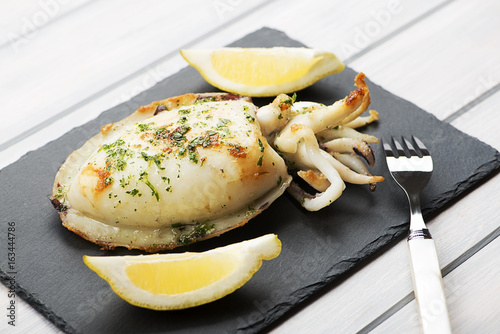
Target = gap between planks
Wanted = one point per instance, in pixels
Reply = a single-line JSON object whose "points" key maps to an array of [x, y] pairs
{"points": [[450, 118], [55, 19], [472, 104], [396, 32], [40, 126], [444, 272]]}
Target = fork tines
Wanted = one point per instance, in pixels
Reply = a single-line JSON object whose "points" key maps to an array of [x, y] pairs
{"points": [[408, 149]]}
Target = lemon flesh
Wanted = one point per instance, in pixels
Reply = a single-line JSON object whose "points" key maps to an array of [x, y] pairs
{"points": [[175, 277], [178, 281], [263, 71]]}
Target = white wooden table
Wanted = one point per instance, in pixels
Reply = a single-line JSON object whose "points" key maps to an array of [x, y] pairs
{"points": [[64, 62]]}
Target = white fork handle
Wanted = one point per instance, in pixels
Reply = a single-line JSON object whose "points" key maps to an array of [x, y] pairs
{"points": [[428, 286]]}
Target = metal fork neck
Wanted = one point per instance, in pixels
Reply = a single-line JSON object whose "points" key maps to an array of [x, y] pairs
{"points": [[416, 220]]}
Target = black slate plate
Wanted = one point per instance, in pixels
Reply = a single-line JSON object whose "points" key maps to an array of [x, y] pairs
{"points": [[318, 248]]}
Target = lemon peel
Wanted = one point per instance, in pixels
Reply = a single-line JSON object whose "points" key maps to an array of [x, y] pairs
{"points": [[183, 280], [262, 71]]}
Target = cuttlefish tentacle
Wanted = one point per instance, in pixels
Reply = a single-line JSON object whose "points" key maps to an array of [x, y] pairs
{"points": [[354, 162], [349, 145], [315, 179], [311, 136], [302, 136], [345, 131], [359, 81], [348, 174], [274, 116], [363, 120], [325, 117]]}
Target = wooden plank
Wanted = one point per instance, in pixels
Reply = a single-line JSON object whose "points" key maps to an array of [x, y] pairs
{"points": [[84, 94], [474, 207], [480, 122], [453, 240], [28, 320], [387, 281], [20, 21], [441, 63], [472, 292], [92, 49]]}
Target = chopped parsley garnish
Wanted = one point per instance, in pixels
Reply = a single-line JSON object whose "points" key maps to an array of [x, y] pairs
{"points": [[116, 158], [161, 133], [118, 142], [145, 127], [249, 118], [261, 146], [250, 211], [200, 141], [157, 161], [108, 180], [199, 231], [195, 142], [291, 100], [144, 178], [116, 154], [178, 134], [124, 182], [155, 158], [223, 122], [134, 192], [59, 193], [193, 157], [205, 99]]}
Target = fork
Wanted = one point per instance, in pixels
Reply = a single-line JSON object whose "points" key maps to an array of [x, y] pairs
{"points": [[410, 165]]}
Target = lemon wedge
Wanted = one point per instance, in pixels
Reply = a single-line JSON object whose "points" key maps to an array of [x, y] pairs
{"points": [[262, 71], [179, 281]]}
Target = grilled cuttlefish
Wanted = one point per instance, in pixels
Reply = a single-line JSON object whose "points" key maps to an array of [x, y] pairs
{"points": [[194, 166]]}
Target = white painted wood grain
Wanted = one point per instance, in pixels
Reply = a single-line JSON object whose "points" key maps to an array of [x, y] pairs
{"points": [[354, 304], [481, 121], [472, 292], [341, 27], [445, 61], [28, 320], [461, 69], [93, 48], [387, 280], [20, 21], [70, 86]]}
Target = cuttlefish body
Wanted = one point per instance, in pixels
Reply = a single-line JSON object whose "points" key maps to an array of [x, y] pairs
{"points": [[194, 166]]}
